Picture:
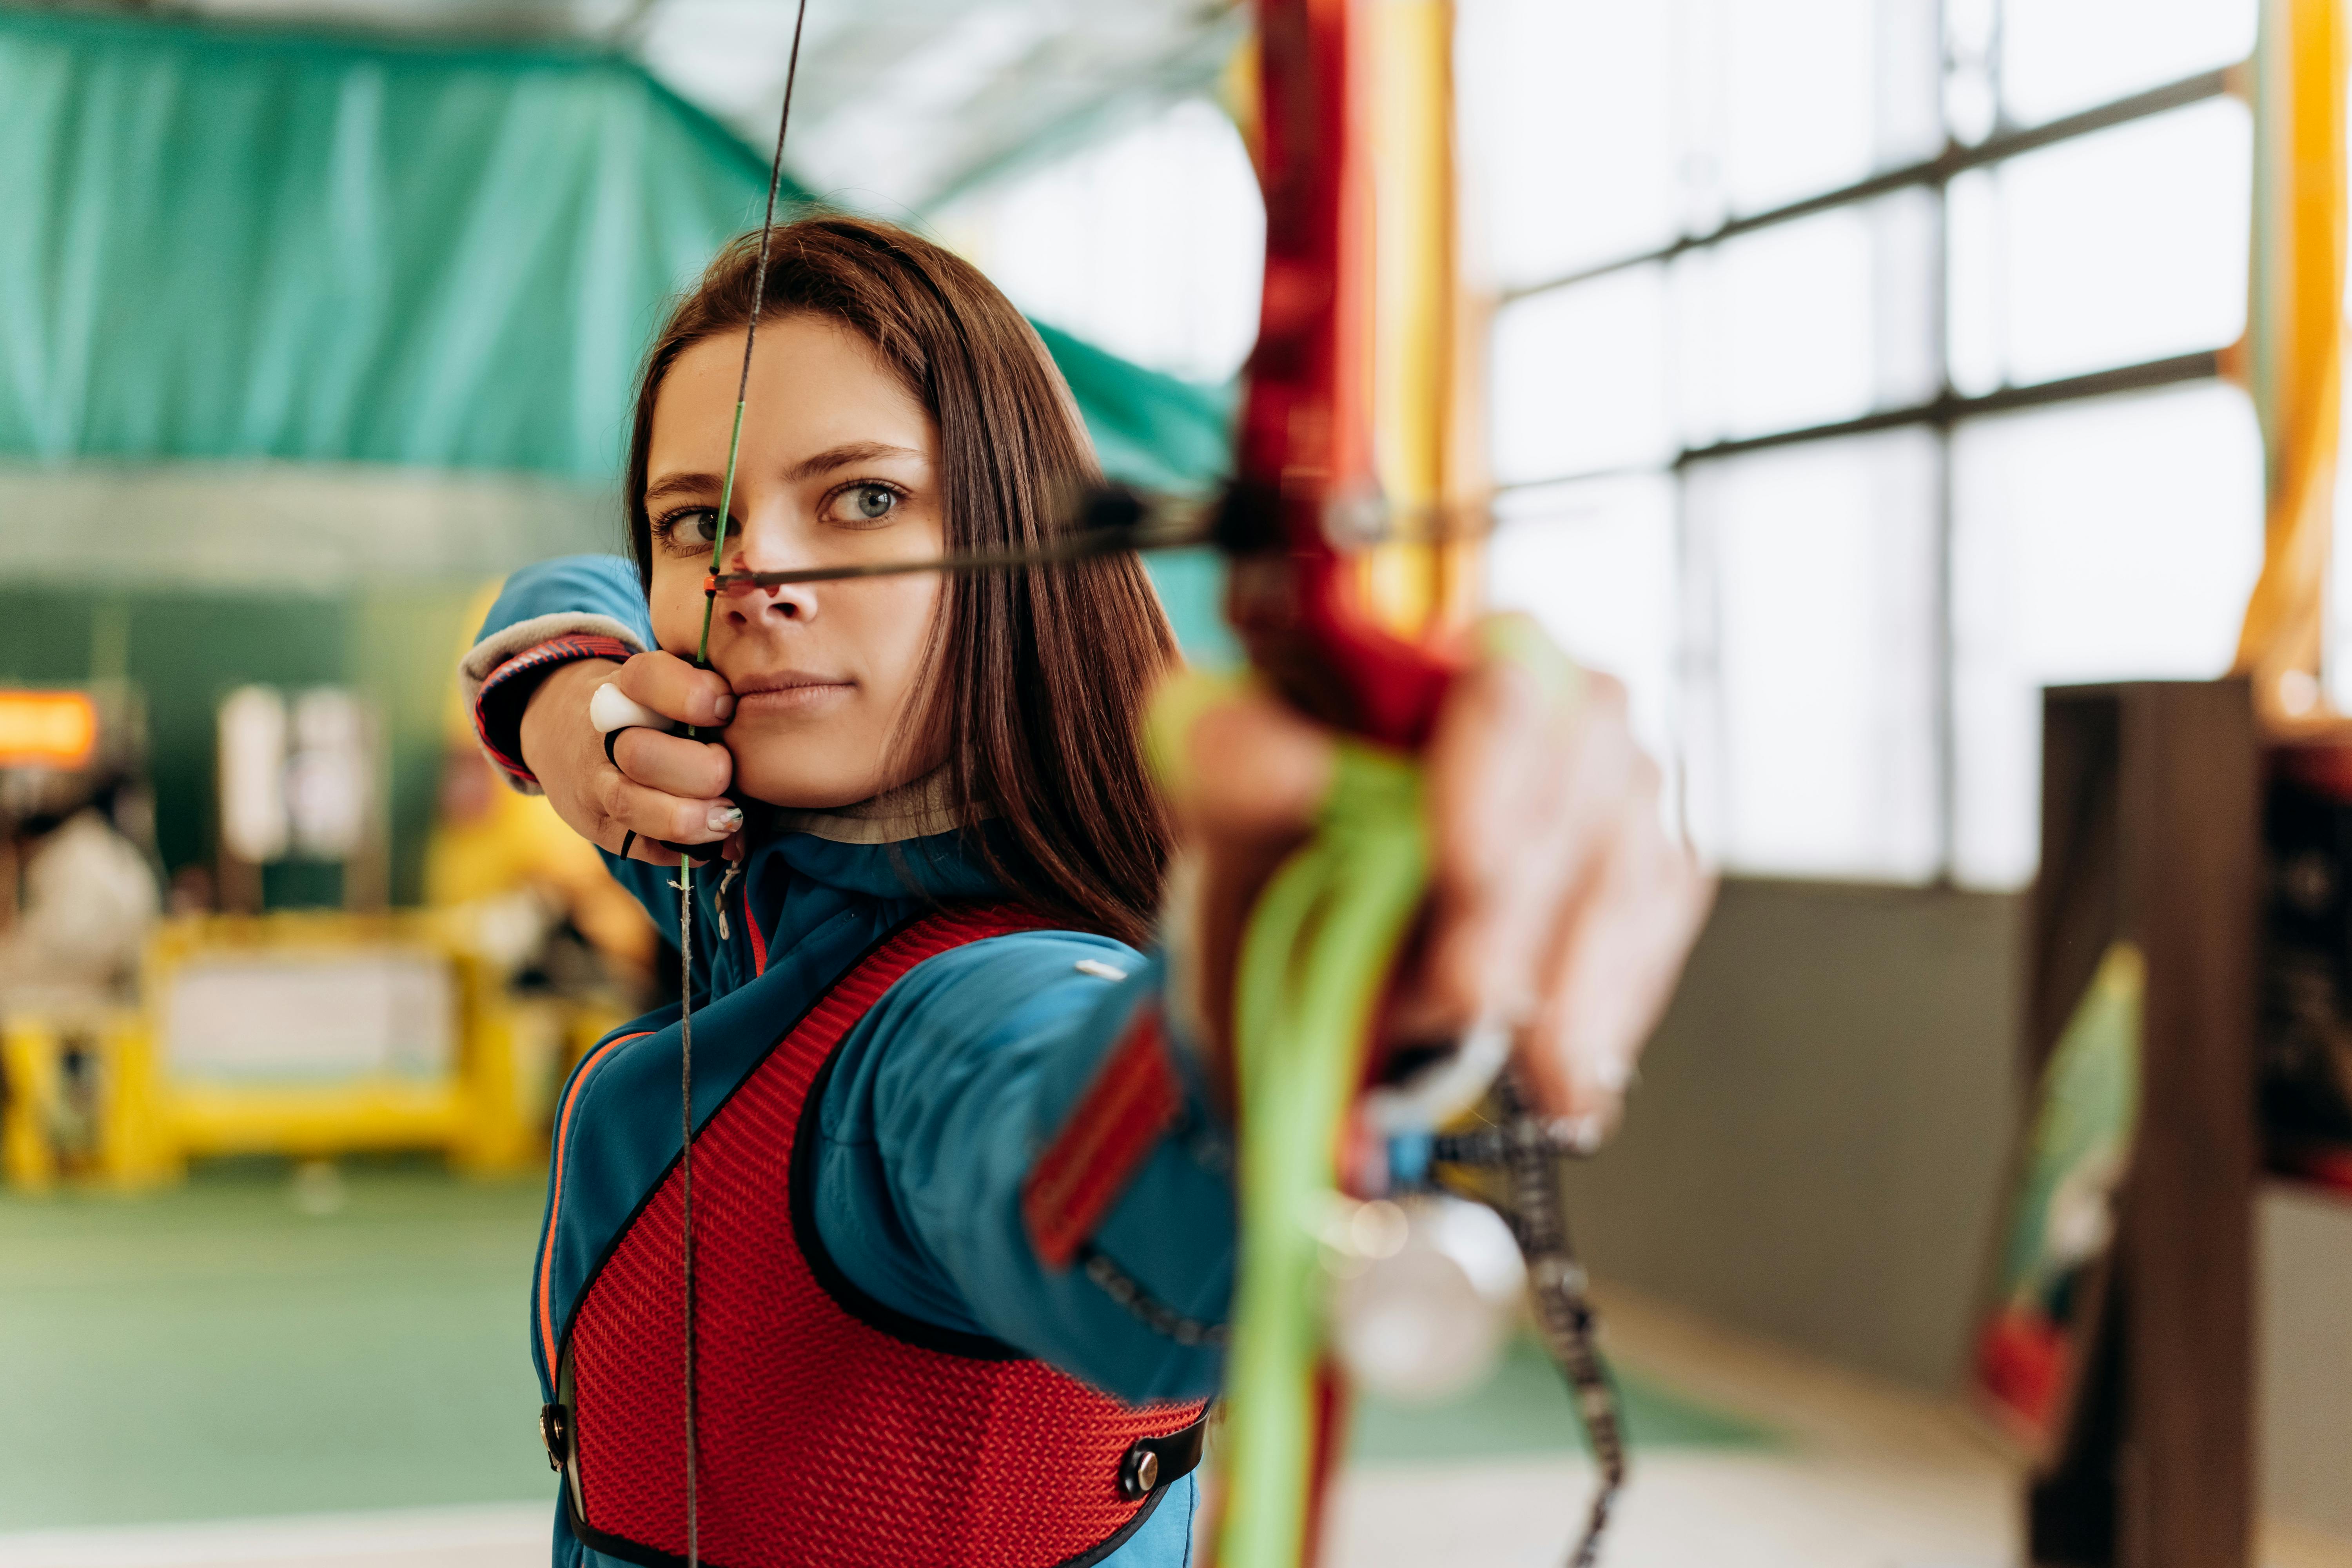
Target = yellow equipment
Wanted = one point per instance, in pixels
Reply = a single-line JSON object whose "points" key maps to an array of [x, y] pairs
{"points": [[308, 1034]]}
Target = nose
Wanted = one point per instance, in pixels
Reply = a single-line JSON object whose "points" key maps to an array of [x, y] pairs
{"points": [[748, 606]]}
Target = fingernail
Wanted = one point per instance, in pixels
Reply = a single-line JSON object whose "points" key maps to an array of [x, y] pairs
{"points": [[726, 706], [1579, 1134], [1611, 1073], [725, 818]]}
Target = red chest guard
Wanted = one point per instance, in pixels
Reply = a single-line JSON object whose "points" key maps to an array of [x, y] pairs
{"points": [[832, 1431]]}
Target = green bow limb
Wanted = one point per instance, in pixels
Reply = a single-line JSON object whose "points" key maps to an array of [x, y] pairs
{"points": [[1314, 959]]}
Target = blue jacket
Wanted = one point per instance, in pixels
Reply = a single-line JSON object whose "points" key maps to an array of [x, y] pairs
{"points": [[941, 1099]]}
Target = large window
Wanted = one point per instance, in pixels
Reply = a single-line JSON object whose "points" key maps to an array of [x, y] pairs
{"points": [[1855, 376], [1147, 243]]}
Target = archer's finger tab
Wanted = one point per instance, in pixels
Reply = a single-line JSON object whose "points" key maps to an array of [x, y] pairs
{"points": [[611, 710]]}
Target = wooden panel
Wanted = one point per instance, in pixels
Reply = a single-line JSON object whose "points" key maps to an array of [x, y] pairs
{"points": [[2149, 813], [2189, 857]]}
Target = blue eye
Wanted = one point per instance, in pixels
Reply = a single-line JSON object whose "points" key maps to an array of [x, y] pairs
{"points": [[864, 504], [692, 526]]}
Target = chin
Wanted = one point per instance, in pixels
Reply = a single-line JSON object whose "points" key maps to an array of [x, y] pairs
{"points": [[797, 789], [798, 766], [804, 766]]}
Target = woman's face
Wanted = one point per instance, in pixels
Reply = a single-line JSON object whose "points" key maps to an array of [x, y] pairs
{"points": [[839, 467]]}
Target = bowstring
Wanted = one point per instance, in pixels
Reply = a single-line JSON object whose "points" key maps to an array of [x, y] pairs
{"points": [[686, 863]]}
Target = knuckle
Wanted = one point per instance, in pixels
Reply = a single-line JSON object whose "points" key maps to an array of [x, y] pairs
{"points": [[1605, 691], [643, 674], [673, 765], [1648, 780], [657, 762], [1499, 692]]}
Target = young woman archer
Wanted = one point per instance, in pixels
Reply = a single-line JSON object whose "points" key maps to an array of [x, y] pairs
{"points": [[964, 1215]]}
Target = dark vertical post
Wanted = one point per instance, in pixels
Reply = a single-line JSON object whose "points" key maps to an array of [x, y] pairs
{"points": [[2150, 834]]}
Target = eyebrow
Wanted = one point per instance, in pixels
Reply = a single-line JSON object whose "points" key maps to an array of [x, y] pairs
{"points": [[670, 484], [842, 456], [824, 462]]}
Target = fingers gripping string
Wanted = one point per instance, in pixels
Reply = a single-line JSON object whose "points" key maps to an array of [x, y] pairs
{"points": [[686, 863]]}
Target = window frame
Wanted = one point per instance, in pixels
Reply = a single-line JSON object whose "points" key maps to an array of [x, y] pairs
{"points": [[1950, 406]]}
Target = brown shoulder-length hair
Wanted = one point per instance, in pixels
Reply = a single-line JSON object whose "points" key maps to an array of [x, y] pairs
{"points": [[1036, 676]]}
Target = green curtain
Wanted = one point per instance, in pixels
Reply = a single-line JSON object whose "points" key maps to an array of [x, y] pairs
{"points": [[266, 298], [230, 243]]}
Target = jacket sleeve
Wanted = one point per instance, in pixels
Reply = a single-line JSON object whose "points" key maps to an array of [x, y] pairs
{"points": [[575, 606], [1011, 1145]]}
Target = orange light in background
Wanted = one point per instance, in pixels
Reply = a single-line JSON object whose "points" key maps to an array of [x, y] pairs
{"points": [[46, 729]]}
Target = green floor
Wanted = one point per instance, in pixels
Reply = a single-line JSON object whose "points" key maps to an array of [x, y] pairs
{"points": [[214, 1351]]}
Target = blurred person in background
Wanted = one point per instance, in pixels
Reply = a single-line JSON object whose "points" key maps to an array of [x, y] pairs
{"points": [[83, 892], [532, 895], [79, 894]]}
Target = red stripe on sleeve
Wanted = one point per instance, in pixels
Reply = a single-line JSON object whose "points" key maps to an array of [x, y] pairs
{"points": [[1104, 1141]]}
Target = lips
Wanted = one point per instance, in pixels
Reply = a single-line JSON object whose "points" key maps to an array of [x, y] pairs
{"points": [[791, 691]]}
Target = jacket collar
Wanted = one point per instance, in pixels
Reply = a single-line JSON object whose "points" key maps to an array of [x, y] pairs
{"points": [[910, 841], [919, 808]]}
